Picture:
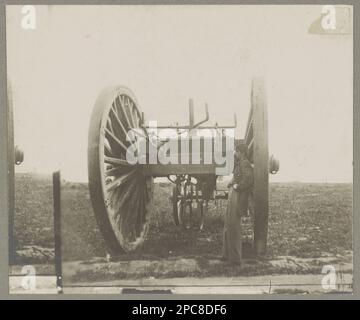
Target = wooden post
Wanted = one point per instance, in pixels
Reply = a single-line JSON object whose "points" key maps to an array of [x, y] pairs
{"points": [[261, 166], [57, 228], [191, 113]]}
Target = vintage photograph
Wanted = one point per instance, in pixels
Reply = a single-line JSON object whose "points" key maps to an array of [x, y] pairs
{"points": [[181, 149]]}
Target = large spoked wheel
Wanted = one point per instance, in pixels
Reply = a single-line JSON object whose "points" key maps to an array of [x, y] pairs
{"points": [[257, 140], [121, 195]]}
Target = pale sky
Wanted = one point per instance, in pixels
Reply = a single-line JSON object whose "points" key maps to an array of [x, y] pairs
{"points": [[168, 54]]}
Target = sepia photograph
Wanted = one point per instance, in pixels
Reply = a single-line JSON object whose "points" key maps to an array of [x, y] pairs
{"points": [[180, 149]]}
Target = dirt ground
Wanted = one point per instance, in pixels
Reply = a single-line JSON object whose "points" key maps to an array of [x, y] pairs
{"points": [[307, 221], [33, 210]]}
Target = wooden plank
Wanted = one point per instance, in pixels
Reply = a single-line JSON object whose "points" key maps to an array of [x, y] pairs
{"points": [[57, 229], [161, 170], [250, 133], [191, 113], [249, 121], [261, 159]]}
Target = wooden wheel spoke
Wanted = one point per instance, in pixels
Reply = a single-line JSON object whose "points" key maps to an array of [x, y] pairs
{"points": [[119, 123], [110, 126], [130, 109], [115, 170], [145, 201], [125, 199], [110, 136], [140, 211], [134, 207], [117, 161], [123, 107], [107, 150], [138, 133], [120, 180], [136, 116]]}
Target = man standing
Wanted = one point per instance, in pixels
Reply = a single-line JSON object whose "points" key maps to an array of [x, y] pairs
{"points": [[238, 202]]}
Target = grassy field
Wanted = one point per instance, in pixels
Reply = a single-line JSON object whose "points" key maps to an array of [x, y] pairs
{"points": [[306, 220], [33, 211]]}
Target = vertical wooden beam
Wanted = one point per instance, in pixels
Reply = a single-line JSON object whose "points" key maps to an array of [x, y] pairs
{"points": [[57, 228], [191, 112], [261, 170], [191, 124]]}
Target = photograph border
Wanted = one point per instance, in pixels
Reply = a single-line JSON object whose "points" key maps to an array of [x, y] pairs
{"points": [[5, 178]]}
